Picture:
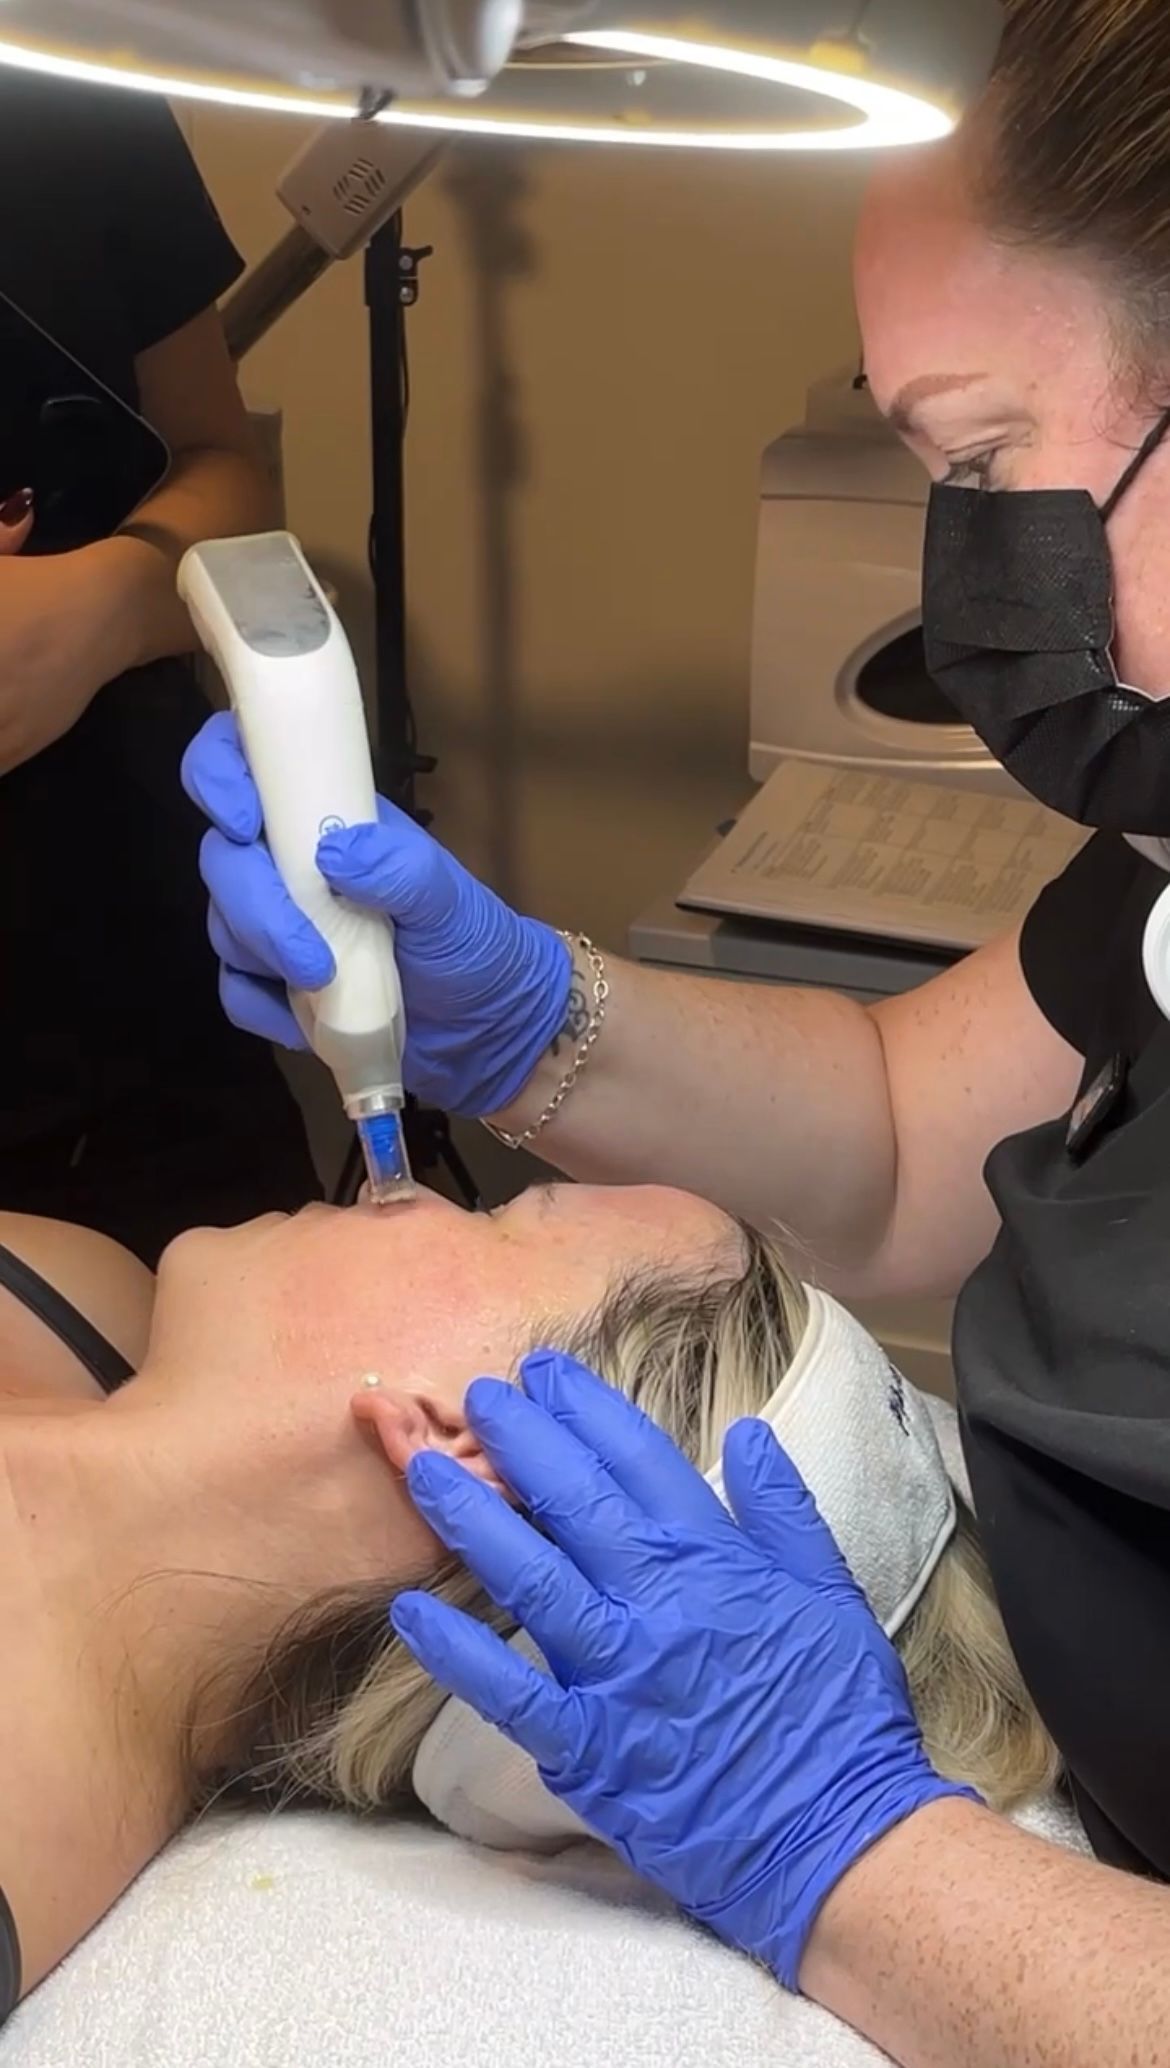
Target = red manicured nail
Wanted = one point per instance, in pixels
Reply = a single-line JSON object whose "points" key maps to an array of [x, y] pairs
{"points": [[16, 509]]}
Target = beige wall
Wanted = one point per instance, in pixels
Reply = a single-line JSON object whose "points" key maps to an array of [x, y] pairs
{"points": [[604, 344]]}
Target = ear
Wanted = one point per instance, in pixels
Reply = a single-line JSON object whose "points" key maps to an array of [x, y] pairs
{"points": [[405, 1423]]}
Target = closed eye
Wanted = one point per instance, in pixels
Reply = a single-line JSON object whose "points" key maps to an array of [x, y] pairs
{"points": [[973, 469]]}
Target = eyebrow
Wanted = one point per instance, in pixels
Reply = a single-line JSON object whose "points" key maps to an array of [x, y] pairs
{"points": [[903, 409]]}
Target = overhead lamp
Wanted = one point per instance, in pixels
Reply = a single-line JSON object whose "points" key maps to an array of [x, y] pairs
{"points": [[732, 75]]}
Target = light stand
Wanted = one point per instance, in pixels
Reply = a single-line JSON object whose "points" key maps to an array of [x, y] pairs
{"points": [[392, 285]]}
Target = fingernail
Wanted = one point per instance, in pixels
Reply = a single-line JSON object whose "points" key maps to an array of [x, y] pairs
{"points": [[347, 850], [537, 1371], [314, 965], [546, 1371], [540, 1360], [483, 1396], [16, 509], [242, 824], [402, 1618], [429, 1471], [331, 851]]}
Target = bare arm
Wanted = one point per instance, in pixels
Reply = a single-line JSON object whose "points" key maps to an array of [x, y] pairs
{"points": [[216, 487], [959, 1942], [863, 1132]]}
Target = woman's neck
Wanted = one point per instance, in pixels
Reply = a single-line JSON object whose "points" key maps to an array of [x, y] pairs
{"points": [[107, 1537], [171, 1541], [139, 1565], [152, 1547], [149, 1542], [91, 1735]]}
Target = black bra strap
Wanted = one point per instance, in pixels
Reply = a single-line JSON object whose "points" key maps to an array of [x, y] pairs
{"points": [[101, 1360]]}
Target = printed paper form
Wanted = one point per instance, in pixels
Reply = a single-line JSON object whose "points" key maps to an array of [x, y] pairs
{"points": [[876, 854]]}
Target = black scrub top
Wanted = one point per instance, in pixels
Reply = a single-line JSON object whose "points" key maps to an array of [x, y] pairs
{"points": [[126, 1100], [107, 235], [1062, 1354]]}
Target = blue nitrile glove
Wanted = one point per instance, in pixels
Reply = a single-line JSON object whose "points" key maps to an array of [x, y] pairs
{"points": [[722, 1707], [485, 991]]}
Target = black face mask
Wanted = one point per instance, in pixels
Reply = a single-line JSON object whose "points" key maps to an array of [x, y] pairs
{"points": [[1019, 628]]}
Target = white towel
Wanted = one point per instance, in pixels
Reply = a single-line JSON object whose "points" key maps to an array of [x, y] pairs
{"points": [[307, 1941]]}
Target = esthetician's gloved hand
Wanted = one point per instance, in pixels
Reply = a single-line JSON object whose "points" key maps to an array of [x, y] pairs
{"points": [[485, 991], [722, 1707]]}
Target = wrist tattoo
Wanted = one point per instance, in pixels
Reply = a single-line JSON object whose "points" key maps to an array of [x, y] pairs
{"points": [[577, 1014], [581, 1027]]}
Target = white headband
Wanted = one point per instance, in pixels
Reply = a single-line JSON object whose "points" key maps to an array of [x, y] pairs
{"points": [[864, 1442]]}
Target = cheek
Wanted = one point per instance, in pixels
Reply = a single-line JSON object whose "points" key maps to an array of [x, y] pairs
{"points": [[416, 1553], [1141, 574], [429, 1324], [387, 1537], [374, 1537]]}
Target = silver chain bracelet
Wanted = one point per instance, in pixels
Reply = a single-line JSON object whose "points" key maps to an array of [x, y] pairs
{"points": [[588, 1043]]}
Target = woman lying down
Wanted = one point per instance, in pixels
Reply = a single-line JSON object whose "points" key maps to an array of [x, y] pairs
{"points": [[202, 1514]]}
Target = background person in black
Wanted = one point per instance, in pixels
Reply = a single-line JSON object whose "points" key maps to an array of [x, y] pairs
{"points": [[126, 1102]]}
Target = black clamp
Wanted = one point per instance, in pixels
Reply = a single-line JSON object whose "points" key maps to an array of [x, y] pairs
{"points": [[410, 258]]}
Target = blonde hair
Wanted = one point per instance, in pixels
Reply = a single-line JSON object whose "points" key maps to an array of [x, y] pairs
{"points": [[337, 1712], [1075, 144]]}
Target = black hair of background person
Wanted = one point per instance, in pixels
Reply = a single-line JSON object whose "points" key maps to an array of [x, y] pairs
{"points": [[127, 1102]]}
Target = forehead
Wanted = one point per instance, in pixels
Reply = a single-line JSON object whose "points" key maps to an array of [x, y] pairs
{"points": [[939, 297]]}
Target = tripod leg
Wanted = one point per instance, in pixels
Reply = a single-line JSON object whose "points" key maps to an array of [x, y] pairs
{"points": [[352, 1178], [457, 1167]]}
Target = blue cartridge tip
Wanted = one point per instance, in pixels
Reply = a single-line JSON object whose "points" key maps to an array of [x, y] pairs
{"points": [[387, 1163]]}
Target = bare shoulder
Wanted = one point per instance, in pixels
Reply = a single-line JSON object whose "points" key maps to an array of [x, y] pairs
{"points": [[109, 1286]]}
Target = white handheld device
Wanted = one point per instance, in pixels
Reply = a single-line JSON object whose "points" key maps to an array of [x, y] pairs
{"points": [[290, 673]]}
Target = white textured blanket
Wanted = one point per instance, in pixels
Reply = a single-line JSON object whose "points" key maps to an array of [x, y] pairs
{"points": [[305, 1941]]}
